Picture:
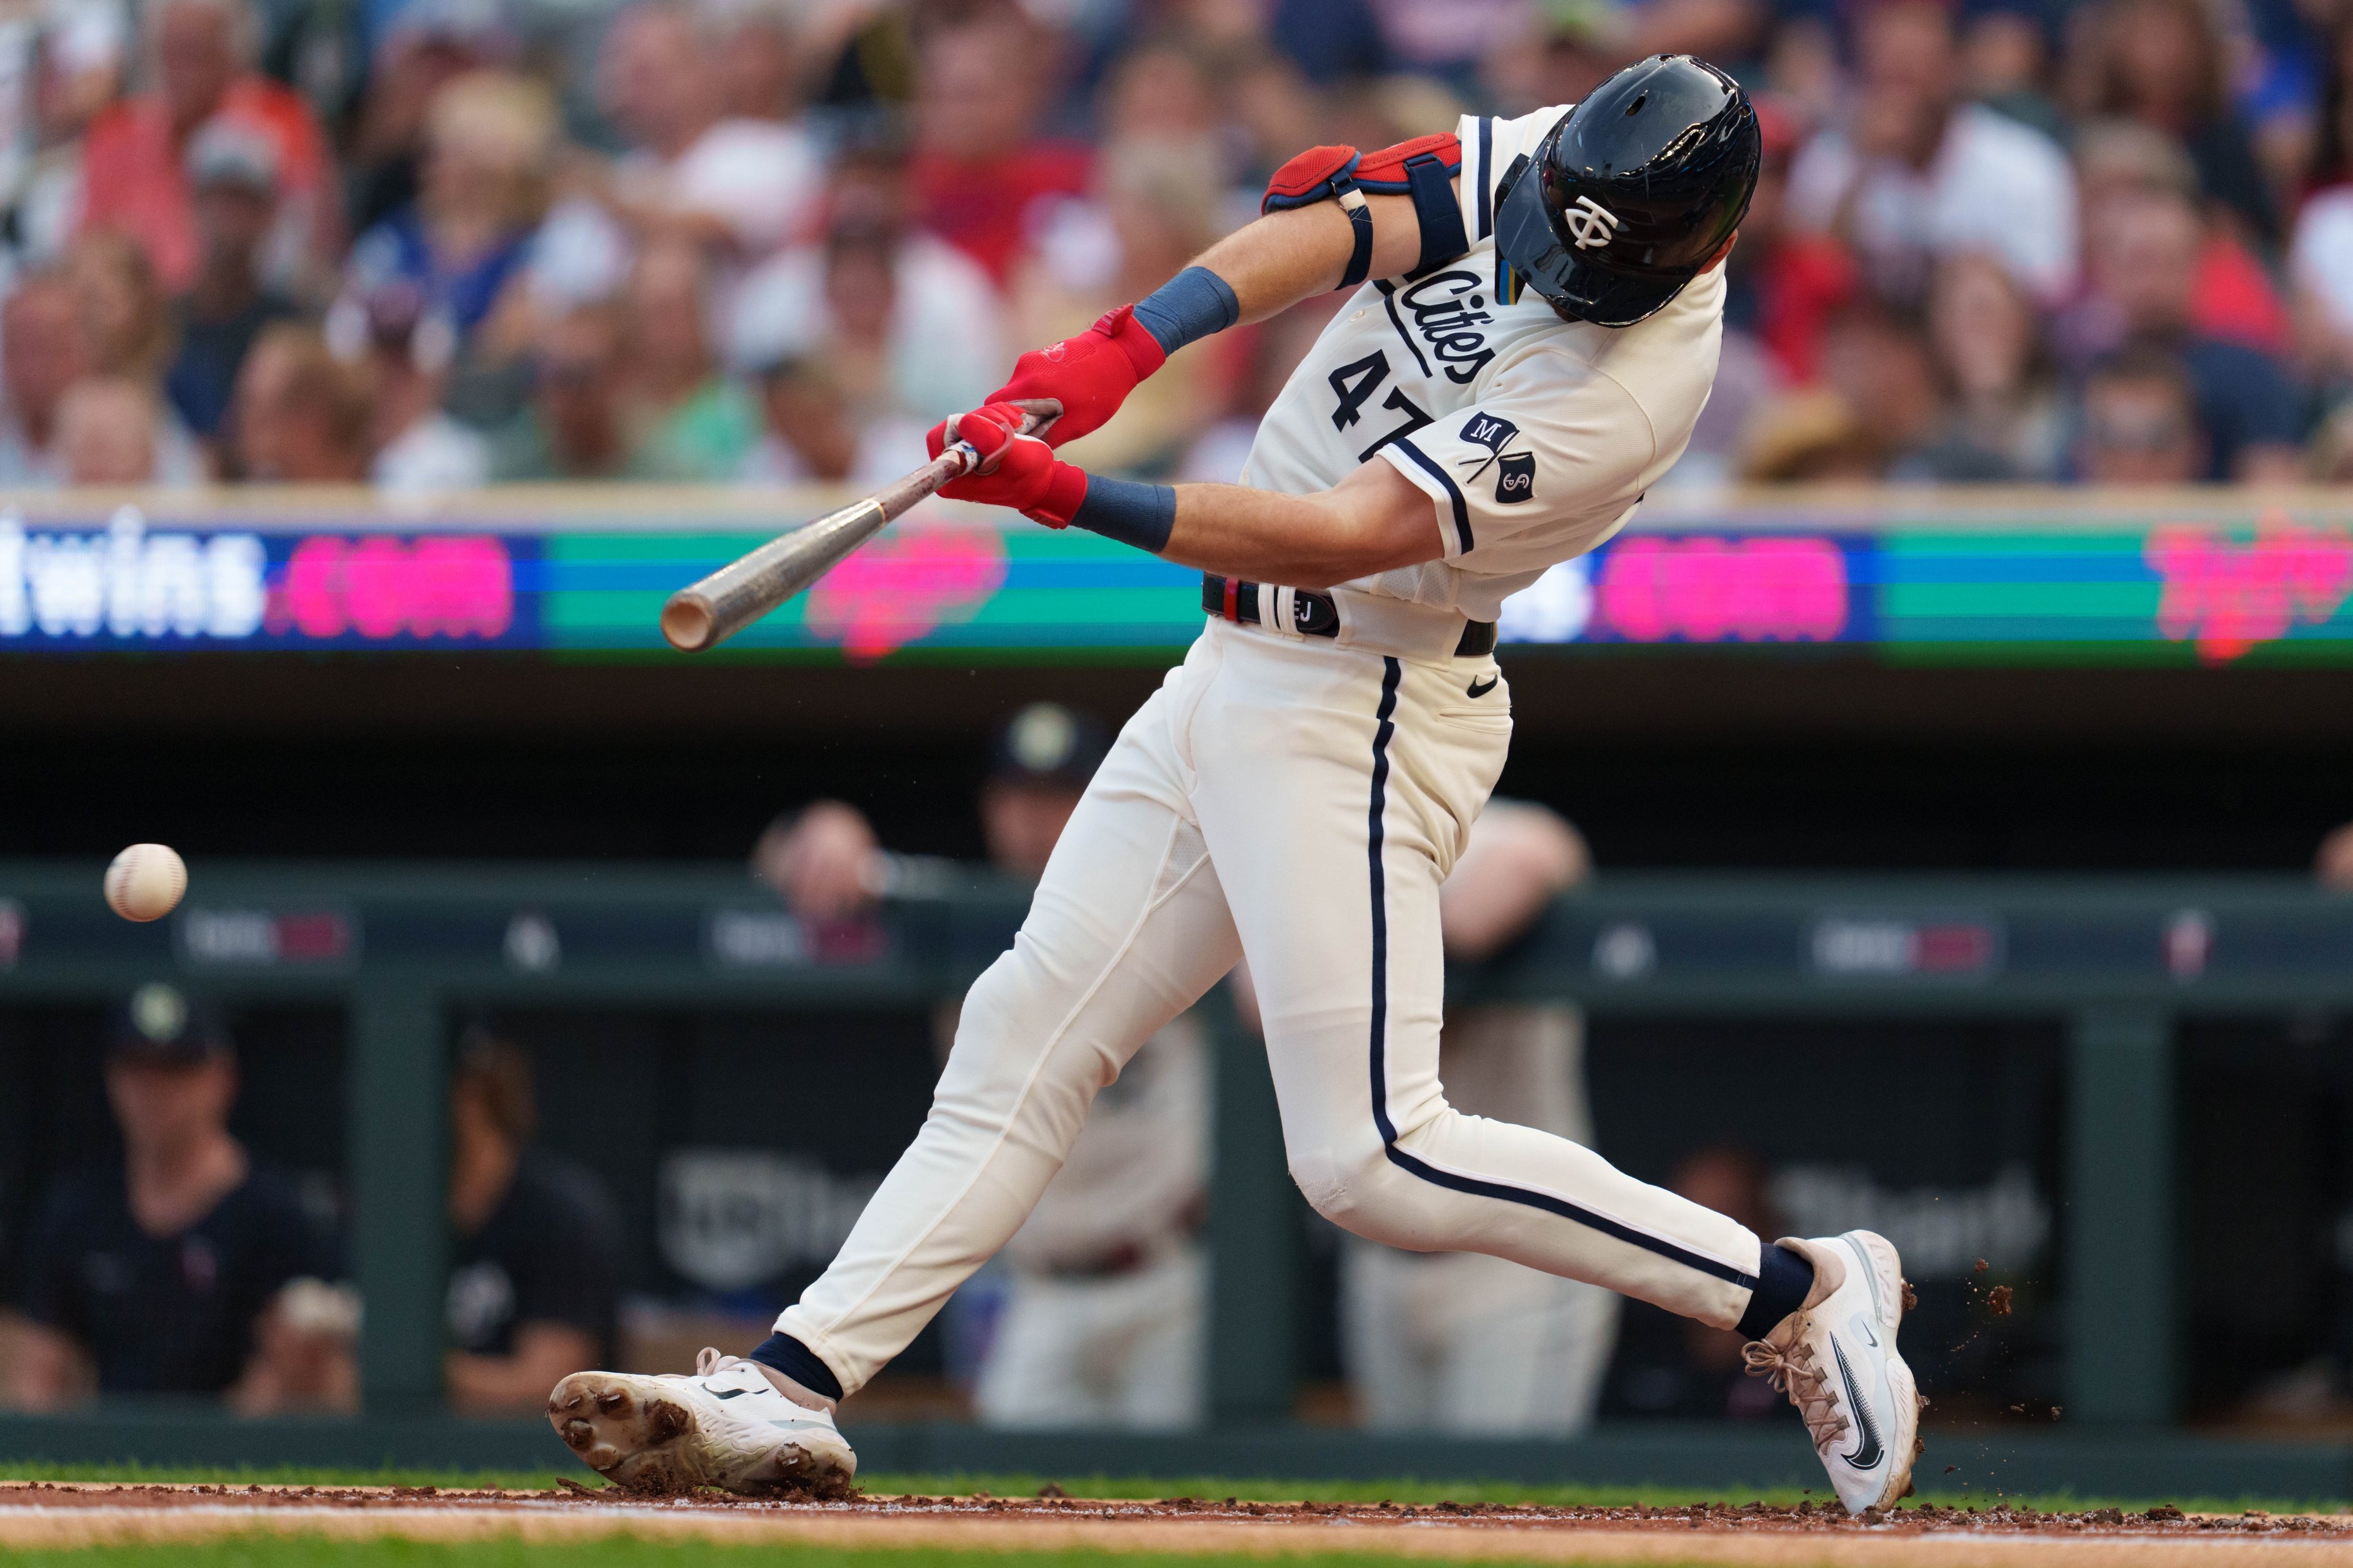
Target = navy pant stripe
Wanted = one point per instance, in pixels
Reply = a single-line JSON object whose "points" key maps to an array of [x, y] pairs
{"points": [[1391, 673], [1384, 731]]}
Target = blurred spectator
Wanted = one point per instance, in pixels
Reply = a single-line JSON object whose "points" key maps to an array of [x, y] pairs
{"points": [[106, 432], [534, 1289], [1813, 438], [2334, 862], [428, 45], [1102, 1324], [809, 436], [418, 448], [758, 48], [126, 330], [301, 413], [40, 357], [1782, 283], [156, 1274], [134, 178], [1463, 1342], [980, 170], [465, 243], [909, 325], [577, 425], [2320, 256], [1877, 360], [1921, 175], [2005, 59], [2006, 420], [2144, 272], [2161, 62], [1680, 1367], [698, 423], [125, 320], [2140, 424], [1561, 50], [1159, 207], [2233, 296], [743, 185], [233, 181]]}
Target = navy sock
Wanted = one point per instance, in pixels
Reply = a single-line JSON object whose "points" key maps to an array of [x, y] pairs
{"points": [[1192, 304], [1783, 1279], [799, 1362], [1129, 511]]}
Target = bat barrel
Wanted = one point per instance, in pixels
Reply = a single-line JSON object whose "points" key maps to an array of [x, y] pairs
{"points": [[703, 615]]}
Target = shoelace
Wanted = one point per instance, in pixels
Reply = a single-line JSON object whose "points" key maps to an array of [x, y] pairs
{"points": [[709, 1358], [1793, 1373]]}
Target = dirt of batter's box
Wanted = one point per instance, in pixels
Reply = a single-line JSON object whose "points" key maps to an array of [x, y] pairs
{"points": [[1804, 1517]]}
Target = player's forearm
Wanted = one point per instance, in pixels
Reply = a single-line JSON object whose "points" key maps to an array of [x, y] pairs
{"points": [[1372, 522], [1274, 262]]}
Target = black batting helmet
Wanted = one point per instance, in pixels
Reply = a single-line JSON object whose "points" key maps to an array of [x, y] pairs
{"points": [[1631, 194]]}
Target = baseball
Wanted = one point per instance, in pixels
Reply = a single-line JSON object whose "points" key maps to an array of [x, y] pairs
{"points": [[145, 882]]}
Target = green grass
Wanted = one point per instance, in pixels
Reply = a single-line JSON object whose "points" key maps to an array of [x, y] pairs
{"points": [[1401, 1490]]}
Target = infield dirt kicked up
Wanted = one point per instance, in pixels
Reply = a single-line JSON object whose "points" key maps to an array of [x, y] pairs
{"points": [[44, 1515]]}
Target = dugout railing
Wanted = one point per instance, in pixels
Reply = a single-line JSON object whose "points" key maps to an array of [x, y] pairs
{"points": [[406, 948]]}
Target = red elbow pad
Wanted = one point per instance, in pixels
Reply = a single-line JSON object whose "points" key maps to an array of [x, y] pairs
{"points": [[1309, 178], [1322, 173]]}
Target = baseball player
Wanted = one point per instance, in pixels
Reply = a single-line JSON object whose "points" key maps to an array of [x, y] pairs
{"points": [[1532, 331]]}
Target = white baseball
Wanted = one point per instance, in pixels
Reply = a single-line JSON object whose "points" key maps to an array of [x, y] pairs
{"points": [[145, 882]]}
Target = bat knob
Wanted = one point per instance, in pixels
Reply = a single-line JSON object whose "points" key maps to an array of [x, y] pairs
{"points": [[686, 622]]}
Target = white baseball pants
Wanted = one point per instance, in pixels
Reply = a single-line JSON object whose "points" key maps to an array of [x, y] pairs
{"points": [[1300, 801]]}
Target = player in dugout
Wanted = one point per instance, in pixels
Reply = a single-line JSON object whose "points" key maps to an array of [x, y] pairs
{"points": [[1103, 1323], [536, 1282], [187, 1266], [1532, 332]]}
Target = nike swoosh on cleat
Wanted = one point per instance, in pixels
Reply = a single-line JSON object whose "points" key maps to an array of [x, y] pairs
{"points": [[1481, 688], [729, 1393], [1868, 1452]]}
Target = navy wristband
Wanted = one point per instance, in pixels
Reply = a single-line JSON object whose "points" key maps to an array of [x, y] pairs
{"points": [[1128, 510], [1191, 305]]}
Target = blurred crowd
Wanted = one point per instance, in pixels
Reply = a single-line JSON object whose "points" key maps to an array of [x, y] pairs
{"points": [[430, 244]]}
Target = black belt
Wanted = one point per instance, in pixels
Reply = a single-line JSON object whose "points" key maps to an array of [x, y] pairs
{"points": [[1315, 615]]}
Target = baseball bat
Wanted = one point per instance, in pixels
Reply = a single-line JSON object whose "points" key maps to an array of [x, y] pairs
{"points": [[705, 614]]}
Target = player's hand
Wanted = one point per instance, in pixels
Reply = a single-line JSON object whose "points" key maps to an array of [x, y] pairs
{"points": [[1018, 471], [1090, 375]]}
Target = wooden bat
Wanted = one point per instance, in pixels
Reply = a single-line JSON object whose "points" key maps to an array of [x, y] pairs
{"points": [[706, 613]]}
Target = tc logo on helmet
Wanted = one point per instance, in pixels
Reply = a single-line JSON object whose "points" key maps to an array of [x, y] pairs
{"points": [[1590, 224]]}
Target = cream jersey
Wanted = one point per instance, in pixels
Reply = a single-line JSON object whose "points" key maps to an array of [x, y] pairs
{"points": [[1534, 436]]}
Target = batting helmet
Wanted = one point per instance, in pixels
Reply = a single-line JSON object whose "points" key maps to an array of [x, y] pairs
{"points": [[1632, 193]]}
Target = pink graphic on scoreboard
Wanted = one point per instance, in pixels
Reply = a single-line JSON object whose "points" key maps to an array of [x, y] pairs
{"points": [[1705, 588], [2229, 595], [383, 588], [904, 586]]}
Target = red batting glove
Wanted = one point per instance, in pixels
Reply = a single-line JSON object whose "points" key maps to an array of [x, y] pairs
{"points": [[1018, 471], [1090, 375]]}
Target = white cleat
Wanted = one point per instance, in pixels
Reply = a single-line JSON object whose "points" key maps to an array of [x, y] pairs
{"points": [[725, 1426], [1837, 1360]]}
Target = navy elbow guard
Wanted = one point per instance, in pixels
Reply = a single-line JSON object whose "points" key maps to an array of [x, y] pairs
{"points": [[1423, 168]]}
